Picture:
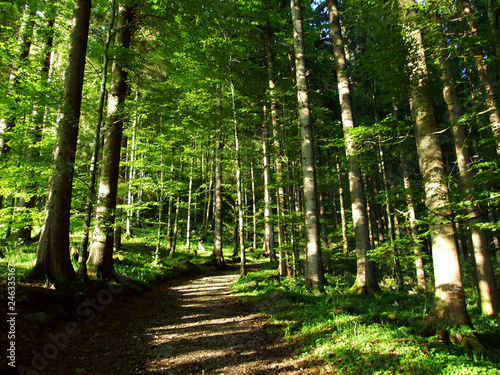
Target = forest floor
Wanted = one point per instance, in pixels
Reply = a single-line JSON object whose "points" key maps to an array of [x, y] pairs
{"points": [[190, 325]]}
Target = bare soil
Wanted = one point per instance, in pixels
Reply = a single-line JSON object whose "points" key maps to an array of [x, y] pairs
{"points": [[191, 325]]}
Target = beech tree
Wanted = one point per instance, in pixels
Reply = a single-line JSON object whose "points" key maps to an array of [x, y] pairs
{"points": [[449, 307], [52, 256], [314, 267], [101, 251]]}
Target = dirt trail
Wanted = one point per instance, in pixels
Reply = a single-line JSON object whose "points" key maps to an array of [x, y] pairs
{"points": [[187, 326]]}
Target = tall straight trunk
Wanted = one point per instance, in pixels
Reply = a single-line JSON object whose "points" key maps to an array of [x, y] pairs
{"points": [[190, 197], [365, 278], [278, 158], [131, 174], [412, 217], [390, 227], [52, 255], [209, 195], [254, 208], [484, 76], [269, 230], [218, 254], [101, 250], [314, 267], [489, 298], [173, 239], [239, 192], [343, 216], [160, 200], [449, 307], [324, 229], [89, 205]]}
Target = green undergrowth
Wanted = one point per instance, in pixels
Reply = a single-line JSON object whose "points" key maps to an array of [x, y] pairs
{"points": [[354, 334]]}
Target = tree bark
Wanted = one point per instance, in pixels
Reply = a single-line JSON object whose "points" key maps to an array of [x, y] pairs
{"points": [[52, 256], [365, 278], [101, 251], [268, 230], [314, 267], [89, 206], [449, 307], [489, 299]]}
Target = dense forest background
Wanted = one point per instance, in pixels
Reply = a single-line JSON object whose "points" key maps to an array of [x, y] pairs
{"points": [[350, 142]]}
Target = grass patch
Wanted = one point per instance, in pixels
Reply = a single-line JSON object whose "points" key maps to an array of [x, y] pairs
{"points": [[376, 334]]}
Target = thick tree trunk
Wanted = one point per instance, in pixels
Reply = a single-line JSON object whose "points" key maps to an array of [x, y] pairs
{"points": [[365, 278], [488, 292], [314, 267], [52, 256], [449, 307], [101, 251]]}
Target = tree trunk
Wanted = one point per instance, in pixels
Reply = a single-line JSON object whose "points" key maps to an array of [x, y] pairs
{"points": [[188, 221], [254, 208], [89, 206], [449, 307], [101, 251], [52, 256], [343, 218], [488, 292], [314, 267], [218, 254], [269, 230], [365, 278], [239, 192]]}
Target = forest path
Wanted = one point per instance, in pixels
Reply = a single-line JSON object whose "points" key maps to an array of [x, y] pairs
{"points": [[186, 326]]}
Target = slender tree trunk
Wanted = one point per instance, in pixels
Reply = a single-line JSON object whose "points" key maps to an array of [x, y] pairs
{"points": [[254, 209], [314, 267], [239, 193], [101, 251], [218, 254], [365, 278], [269, 230], [489, 298], [188, 221], [276, 128], [343, 217], [52, 256], [449, 307]]}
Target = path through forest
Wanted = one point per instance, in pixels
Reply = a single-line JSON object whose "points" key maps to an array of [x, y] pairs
{"points": [[187, 326]]}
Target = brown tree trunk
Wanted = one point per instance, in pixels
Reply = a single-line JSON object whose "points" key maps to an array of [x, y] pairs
{"points": [[101, 250], [52, 256], [314, 267], [365, 278], [269, 230]]}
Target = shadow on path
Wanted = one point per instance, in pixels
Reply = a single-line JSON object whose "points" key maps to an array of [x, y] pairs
{"points": [[188, 326]]}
